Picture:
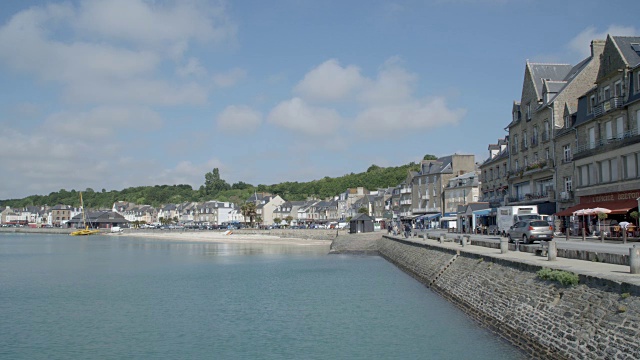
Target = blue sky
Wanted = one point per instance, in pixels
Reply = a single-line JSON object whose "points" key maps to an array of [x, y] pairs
{"points": [[112, 94]]}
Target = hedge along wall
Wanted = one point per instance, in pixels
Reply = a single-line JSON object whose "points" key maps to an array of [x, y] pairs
{"points": [[597, 319]]}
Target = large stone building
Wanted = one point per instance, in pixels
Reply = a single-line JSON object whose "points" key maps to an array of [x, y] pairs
{"points": [[493, 174], [424, 195], [606, 158], [547, 91]]}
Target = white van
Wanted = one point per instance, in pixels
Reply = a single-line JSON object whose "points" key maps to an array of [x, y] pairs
{"points": [[509, 215]]}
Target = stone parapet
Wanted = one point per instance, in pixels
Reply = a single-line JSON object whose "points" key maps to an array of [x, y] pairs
{"points": [[597, 319]]}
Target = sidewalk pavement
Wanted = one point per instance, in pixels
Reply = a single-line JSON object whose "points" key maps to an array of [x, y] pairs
{"points": [[616, 273]]}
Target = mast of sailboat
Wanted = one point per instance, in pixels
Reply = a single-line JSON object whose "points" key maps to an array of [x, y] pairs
{"points": [[84, 222]]}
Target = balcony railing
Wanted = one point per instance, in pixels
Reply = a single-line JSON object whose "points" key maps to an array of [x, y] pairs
{"points": [[526, 197], [567, 160], [608, 105], [602, 142], [565, 196], [405, 191]]}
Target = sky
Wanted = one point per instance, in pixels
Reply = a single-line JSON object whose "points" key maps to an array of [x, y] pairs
{"points": [[119, 93]]}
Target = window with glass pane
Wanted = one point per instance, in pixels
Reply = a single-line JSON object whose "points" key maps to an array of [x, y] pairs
{"points": [[605, 175], [617, 88], [584, 175], [608, 126], [567, 152], [568, 186], [619, 127]]}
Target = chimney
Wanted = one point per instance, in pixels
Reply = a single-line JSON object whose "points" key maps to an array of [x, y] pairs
{"points": [[597, 47]]}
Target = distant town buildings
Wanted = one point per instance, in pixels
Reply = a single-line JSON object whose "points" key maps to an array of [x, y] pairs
{"points": [[573, 142]]}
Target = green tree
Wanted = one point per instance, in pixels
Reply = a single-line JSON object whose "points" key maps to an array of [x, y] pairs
{"points": [[241, 186], [213, 184], [288, 219], [249, 210], [363, 210], [430, 157], [277, 221]]}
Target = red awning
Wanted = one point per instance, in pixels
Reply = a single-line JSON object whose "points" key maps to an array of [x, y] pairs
{"points": [[616, 207]]}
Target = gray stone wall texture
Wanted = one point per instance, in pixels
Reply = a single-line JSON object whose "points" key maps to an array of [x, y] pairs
{"points": [[597, 319]]}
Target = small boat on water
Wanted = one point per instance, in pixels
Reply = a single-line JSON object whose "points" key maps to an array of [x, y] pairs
{"points": [[86, 230]]}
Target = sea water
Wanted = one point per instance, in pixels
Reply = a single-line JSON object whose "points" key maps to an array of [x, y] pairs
{"points": [[118, 297]]}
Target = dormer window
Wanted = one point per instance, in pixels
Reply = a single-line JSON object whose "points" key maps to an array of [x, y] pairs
{"points": [[592, 104], [617, 88]]}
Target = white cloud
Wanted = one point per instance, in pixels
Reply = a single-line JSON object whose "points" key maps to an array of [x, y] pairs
{"points": [[239, 118], [191, 68], [581, 43], [167, 24], [229, 78], [186, 172], [408, 116], [137, 91], [91, 60], [102, 122], [393, 85], [330, 82], [387, 101], [298, 116]]}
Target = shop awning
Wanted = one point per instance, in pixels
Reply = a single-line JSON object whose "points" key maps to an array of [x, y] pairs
{"points": [[449, 218], [616, 207], [432, 216], [483, 212]]}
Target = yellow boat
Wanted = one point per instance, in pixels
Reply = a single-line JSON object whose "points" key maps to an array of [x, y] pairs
{"points": [[86, 230]]}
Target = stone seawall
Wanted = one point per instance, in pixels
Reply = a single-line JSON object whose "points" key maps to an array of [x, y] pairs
{"points": [[598, 319]]}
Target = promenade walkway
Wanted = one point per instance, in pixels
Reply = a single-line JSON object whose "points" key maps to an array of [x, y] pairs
{"points": [[612, 272]]}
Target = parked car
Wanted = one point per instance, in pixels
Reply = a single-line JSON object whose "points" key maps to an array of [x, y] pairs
{"points": [[530, 230]]}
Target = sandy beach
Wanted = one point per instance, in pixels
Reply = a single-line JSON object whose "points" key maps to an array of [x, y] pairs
{"points": [[221, 237]]}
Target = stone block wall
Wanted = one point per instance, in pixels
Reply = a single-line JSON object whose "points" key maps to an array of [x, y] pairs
{"points": [[597, 319]]}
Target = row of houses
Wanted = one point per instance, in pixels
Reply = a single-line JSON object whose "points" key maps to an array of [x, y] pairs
{"points": [[573, 139], [573, 142]]}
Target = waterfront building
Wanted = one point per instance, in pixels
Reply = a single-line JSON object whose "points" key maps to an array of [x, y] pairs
{"points": [[60, 214], [212, 212], [606, 159], [98, 220], [493, 174], [547, 90], [434, 177], [461, 190], [565, 146], [347, 199], [406, 197], [168, 212]]}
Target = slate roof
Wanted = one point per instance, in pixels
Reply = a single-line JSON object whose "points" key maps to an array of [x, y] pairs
{"points": [[440, 166], [542, 72], [624, 44]]}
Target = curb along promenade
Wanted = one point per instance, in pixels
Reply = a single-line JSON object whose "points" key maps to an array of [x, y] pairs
{"points": [[591, 269]]}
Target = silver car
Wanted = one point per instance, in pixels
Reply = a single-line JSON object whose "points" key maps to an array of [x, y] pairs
{"points": [[529, 231]]}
